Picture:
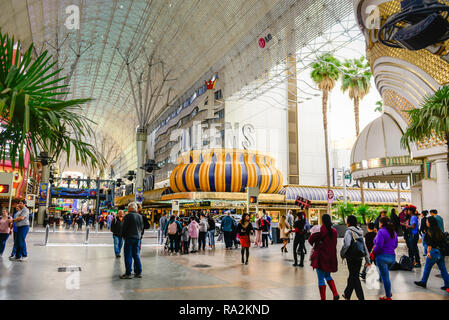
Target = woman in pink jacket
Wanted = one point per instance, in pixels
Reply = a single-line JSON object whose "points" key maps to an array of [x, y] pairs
{"points": [[194, 229]]}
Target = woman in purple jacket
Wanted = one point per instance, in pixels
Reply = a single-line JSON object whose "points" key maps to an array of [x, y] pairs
{"points": [[385, 244]]}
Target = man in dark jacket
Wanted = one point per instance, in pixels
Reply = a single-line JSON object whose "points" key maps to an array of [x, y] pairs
{"points": [[132, 232], [116, 229]]}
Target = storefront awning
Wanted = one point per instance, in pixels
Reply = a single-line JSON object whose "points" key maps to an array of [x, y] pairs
{"points": [[353, 194]]}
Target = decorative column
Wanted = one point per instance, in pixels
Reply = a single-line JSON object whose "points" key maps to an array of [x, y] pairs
{"points": [[293, 137], [141, 140], [442, 188]]}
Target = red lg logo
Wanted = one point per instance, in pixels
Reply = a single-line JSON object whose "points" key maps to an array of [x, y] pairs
{"points": [[262, 43]]}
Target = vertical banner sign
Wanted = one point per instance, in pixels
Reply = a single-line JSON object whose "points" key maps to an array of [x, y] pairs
{"points": [[43, 194], [139, 195], [175, 206], [330, 196]]}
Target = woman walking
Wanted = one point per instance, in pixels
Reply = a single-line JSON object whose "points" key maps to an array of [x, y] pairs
{"points": [[385, 244], [211, 231], [5, 229], [435, 240], [258, 228], [285, 233], [299, 228], [245, 229], [354, 250], [324, 256]]}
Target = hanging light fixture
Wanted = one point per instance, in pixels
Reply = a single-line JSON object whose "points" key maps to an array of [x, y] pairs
{"points": [[420, 23]]}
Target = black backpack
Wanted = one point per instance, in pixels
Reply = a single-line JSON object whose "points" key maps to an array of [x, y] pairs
{"points": [[406, 263], [357, 248], [265, 225], [444, 249]]}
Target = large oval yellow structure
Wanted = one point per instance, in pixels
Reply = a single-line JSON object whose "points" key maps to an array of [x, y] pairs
{"points": [[225, 170]]}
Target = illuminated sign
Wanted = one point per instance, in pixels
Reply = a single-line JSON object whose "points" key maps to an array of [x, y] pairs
{"points": [[4, 188]]}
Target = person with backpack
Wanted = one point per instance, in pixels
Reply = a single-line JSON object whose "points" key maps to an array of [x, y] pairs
{"points": [[413, 237], [300, 230], [383, 252], [203, 232], [437, 249], [194, 229], [245, 229], [211, 231], [354, 250], [171, 231], [324, 256], [423, 229], [369, 241], [116, 229], [226, 226], [265, 226]]}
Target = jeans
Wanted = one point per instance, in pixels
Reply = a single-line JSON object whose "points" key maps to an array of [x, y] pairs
{"points": [[265, 240], [185, 245], [202, 240], [424, 244], [194, 243], [353, 283], [211, 235], [413, 251], [384, 262], [118, 243], [439, 260], [3, 238], [228, 239], [21, 247], [132, 249], [173, 243], [322, 275], [298, 246]]}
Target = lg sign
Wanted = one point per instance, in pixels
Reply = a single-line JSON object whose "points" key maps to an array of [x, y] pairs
{"points": [[263, 41]]}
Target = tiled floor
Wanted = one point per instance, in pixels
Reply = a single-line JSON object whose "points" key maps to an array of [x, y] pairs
{"points": [[269, 274]]}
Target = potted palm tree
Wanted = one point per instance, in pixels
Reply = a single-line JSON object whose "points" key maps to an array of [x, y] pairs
{"points": [[325, 73], [355, 78], [431, 120], [34, 111], [343, 210]]}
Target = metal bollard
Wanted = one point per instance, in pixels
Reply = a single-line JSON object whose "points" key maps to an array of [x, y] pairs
{"points": [[47, 230], [86, 241]]}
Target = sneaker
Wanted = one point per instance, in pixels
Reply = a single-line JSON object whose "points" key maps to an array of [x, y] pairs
{"points": [[295, 264], [117, 256], [417, 265], [126, 276], [138, 275], [13, 258], [301, 265], [385, 298], [246, 262], [23, 259], [420, 284]]}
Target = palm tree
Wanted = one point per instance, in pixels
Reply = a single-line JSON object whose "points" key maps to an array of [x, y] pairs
{"points": [[355, 78], [34, 112], [432, 119], [379, 107], [325, 73]]}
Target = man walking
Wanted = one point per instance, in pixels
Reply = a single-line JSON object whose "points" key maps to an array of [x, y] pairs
{"points": [[440, 221], [132, 232], [116, 229], [162, 223], [226, 227], [23, 226], [414, 237]]}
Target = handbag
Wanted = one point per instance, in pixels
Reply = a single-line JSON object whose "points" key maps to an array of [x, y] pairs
{"points": [[357, 248]]}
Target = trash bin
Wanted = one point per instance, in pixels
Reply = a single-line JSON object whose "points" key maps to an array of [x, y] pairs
{"points": [[276, 235]]}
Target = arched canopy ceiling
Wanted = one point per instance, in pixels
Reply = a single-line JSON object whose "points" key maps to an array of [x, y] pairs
{"points": [[190, 36], [193, 37]]}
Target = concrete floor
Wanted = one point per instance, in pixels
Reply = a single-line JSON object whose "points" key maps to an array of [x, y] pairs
{"points": [[269, 274]]}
